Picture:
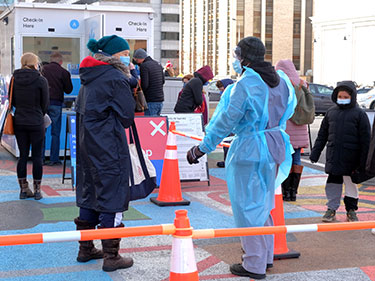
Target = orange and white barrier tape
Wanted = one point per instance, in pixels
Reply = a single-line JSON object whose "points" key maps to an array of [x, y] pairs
{"points": [[84, 235], [170, 229], [246, 231], [196, 137]]}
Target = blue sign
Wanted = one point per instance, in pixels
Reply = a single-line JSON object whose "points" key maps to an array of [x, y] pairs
{"points": [[73, 146], [74, 24]]}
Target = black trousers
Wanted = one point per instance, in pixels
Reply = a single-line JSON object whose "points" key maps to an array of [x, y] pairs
{"points": [[27, 136]]}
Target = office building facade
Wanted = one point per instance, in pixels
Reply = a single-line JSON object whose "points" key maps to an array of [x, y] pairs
{"points": [[210, 30]]}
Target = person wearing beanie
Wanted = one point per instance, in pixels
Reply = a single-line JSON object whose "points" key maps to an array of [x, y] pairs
{"points": [[152, 81], [255, 109], [191, 96], [345, 130], [104, 108]]}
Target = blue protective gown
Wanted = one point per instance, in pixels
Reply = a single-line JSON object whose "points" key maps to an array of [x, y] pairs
{"points": [[252, 161]]}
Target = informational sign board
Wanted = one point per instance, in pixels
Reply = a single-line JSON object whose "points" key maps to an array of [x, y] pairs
{"points": [[189, 123], [153, 133], [73, 146]]}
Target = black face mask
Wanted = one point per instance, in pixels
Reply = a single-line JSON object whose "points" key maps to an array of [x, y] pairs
{"points": [[134, 62]]}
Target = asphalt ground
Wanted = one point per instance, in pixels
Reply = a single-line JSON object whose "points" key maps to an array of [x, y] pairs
{"points": [[344, 255]]}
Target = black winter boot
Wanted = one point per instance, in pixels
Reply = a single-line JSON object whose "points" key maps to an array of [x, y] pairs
{"points": [[351, 205], [25, 190], [112, 260], [87, 250], [37, 193], [286, 187], [296, 174]]}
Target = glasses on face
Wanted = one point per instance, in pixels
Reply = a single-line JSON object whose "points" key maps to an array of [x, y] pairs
{"points": [[236, 53]]}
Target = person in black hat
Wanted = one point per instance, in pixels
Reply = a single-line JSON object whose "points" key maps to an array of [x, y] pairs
{"points": [[152, 81], [255, 109], [105, 107], [345, 130]]}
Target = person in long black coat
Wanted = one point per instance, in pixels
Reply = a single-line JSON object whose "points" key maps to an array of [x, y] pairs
{"points": [[346, 131], [105, 107], [30, 99]]}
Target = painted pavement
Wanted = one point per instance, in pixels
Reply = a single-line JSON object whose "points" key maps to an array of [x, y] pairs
{"points": [[322, 258]]}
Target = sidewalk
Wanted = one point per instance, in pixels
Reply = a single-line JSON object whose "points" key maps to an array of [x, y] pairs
{"points": [[348, 255]]}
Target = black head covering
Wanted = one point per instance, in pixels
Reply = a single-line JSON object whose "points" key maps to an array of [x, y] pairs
{"points": [[349, 87], [251, 49]]}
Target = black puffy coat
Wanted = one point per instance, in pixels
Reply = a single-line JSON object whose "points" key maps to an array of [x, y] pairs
{"points": [[346, 131], [152, 80], [59, 81], [191, 96], [30, 97], [105, 107]]}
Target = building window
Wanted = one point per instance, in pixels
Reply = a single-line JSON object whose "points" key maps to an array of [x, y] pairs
{"points": [[165, 54], [170, 1], [170, 36], [170, 18], [257, 22], [269, 29], [297, 34]]}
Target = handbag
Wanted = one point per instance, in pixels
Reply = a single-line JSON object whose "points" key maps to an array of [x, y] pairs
{"points": [[360, 176], [140, 100], [142, 171], [8, 124]]}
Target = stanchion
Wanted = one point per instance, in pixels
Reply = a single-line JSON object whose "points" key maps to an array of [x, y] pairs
{"points": [[183, 265], [281, 250], [170, 187]]}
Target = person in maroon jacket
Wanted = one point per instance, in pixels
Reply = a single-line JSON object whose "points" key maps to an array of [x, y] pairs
{"points": [[59, 82], [191, 96]]}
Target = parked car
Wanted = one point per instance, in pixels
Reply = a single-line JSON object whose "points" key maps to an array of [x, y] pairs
{"points": [[213, 91], [364, 90], [366, 100], [322, 97]]}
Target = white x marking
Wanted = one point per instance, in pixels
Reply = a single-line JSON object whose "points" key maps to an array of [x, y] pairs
{"points": [[157, 128]]}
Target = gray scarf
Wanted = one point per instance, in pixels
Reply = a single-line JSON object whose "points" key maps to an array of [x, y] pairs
{"points": [[115, 62]]}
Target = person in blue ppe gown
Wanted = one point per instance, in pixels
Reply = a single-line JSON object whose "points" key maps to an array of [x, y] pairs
{"points": [[255, 109], [105, 107]]}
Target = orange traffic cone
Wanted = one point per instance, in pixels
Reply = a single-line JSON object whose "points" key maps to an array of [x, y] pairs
{"points": [[170, 186], [281, 250], [183, 265]]}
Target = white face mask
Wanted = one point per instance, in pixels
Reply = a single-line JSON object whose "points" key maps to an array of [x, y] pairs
{"points": [[343, 101]]}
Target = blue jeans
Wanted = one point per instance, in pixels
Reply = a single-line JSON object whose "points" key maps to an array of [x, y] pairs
{"points": [[154, 108], [296, 157], [55, 112]]}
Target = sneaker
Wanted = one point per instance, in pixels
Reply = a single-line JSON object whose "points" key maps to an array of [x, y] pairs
{"points": [[329, 216], [238, 269], [351, 216]]}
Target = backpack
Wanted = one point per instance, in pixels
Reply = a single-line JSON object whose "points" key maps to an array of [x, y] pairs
{"points": [[304, 112]]}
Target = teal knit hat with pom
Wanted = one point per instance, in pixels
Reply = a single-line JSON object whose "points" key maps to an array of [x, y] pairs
{"points": [[108, 44]]}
